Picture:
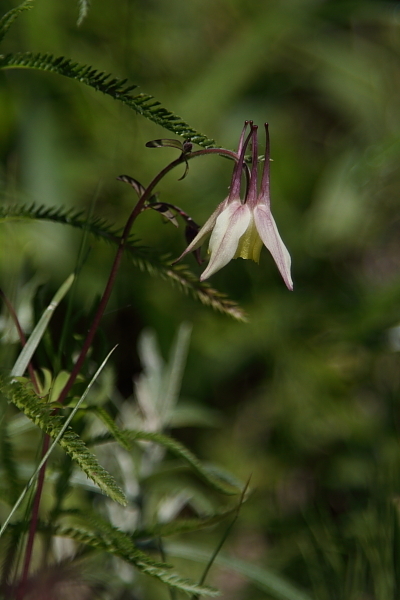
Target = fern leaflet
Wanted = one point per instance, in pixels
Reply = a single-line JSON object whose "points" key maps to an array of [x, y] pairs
{"points": [[119, 89], [9, 18], [209, 475], [40, 413], [141, 257]]}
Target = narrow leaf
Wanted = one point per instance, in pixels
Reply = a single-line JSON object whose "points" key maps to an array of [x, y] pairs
{"points": [[143, 104], [180, 526], [55, 442], [142, 258], [28, 350], [9, 18], [117, 433], [179, 450], [271, 583], [109, 539], [40, 413]]}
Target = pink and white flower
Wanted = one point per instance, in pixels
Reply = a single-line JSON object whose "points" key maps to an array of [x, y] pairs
{"points": [[239, 228]]}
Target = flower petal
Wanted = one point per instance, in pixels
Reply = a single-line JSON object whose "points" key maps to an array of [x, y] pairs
{"points": [[204, 231], [269, 234], [229, 228]]}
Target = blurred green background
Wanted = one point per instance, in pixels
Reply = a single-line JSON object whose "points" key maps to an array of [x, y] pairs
{"points": [[307, 392]]}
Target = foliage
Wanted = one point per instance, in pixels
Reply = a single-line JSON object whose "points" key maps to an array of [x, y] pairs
{"points": [[307, 391]]}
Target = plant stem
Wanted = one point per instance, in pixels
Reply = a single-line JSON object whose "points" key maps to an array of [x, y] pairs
{"points": [[79, 363], [33, 524], [46, 443], [22, 339], [90, 336]]}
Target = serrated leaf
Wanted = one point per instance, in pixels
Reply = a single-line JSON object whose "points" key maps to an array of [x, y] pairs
{"points": [[109, 539], [115, 431], [209, 474], [183, 525], [34, 339], [142, 257], [9, 18], [40, 413], [274, 585], [119, 89]]}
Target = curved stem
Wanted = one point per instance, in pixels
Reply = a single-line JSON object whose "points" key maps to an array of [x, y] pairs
{"points": [[78, 365], [92, 331]]}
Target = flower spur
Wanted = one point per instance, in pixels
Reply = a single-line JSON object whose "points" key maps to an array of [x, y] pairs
{"points": [[239, 228]]}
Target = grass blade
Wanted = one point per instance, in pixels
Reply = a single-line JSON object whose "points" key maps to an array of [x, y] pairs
{"points": [[28, 350]]}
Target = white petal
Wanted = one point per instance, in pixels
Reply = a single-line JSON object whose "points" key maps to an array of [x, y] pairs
{"points": [[269, 234], [229, 228], [204, 231]]}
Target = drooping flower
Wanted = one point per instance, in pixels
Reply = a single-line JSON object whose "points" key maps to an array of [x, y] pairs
{"points": [[239, 228]]}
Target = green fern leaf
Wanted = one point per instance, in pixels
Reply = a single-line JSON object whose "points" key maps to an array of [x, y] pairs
{"points": [[103, 536], [141, 257], [178, 449], [119, 89], [40, 413], [120, 544], [182, 525], [117, 433], [213, 479], [9, 18]]}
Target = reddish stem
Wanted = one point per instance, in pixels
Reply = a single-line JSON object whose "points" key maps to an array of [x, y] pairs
{"points": [[33, 524], [90, 336], [22, 339], [78, 365], [46, 443]]}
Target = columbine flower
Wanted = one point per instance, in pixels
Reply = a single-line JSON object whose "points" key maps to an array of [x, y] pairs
{"points": [[240, 228]]}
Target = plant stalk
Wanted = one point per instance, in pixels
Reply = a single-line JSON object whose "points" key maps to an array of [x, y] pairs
{"points": [[90, 336]]}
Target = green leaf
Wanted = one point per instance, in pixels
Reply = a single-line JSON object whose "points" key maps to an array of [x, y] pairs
{"points": [[40, 413], [37, 334], [274, 585], [141, 257], [210, 475], [180, 526], [117, 433], [101, 535], [55, 442], [119, 89], [9, 18]]}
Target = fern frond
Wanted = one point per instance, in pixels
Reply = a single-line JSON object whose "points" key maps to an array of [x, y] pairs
{"points": [[189, 283], [142, 258], [9, 18], [182, 526], [179, 450], [40, 413], [102, 536], [117, 433], [119, 89], [120, 544]]}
